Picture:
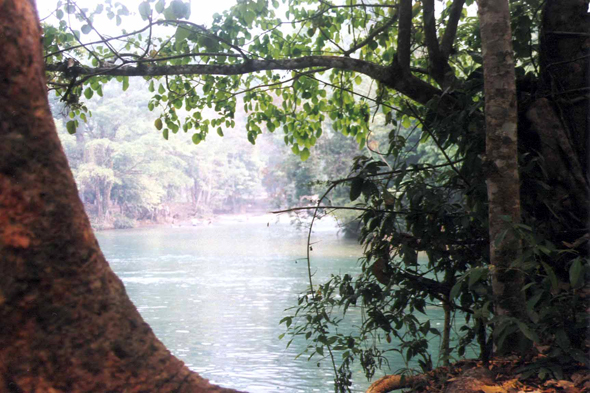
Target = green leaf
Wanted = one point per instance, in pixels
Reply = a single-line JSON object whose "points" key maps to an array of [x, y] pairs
{"points": [[145, 10], [160, 6], [165, 133], [125, 83], [528, 333], [59, 14], [71, 127], [197, 138], [158, 124], [86, 29], [455, 290], [182, 32], [476, 274], [551, 275], [88, 93], [406, 123], [169, 14], [304, 154], [356, 188], [179, 9], [577, 273], [161, 89], [219, 131], [500, 237]]}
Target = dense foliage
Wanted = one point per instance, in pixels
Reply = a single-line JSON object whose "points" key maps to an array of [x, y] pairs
{"points": [[356, 67], [127, 174]]}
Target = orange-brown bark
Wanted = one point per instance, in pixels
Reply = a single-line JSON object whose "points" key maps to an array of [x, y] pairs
{"points": [[66, 321]]}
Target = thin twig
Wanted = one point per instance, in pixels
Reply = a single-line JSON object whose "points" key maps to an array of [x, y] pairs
{"points": [[431, 134]]}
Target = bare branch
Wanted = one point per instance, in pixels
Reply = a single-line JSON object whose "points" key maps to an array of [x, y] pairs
{"points": [[371, 36], [357, 5], [438, 144], [148, 26], [404, 34], [363, 209]]}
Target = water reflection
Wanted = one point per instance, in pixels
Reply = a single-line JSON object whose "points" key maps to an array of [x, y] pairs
{"points": [[215, 295]]}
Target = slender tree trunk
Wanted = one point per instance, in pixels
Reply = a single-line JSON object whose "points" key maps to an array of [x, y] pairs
{"points": [[107, 200], [67, 324], [446, 336], [99, 204], [503, 182]]}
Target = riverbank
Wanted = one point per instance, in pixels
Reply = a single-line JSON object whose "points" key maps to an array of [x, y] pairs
{"points": [[325, 223], [500, 375]]}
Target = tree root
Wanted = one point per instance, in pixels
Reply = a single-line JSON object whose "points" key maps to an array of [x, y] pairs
{"points": [[393, 382]]}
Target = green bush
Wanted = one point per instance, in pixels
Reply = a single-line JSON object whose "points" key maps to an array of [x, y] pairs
{"points": [[122, 222]]}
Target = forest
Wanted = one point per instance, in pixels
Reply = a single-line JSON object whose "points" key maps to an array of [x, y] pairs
{"points": [[126, 178], [452, 130]]}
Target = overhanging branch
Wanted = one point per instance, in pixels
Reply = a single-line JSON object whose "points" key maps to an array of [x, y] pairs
{"points": [[390, 76]]}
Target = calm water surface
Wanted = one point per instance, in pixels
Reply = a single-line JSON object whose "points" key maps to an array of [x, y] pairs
{"points": [[215, 294]]}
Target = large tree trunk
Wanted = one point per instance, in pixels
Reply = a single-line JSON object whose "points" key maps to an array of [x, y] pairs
{"points": [[503, 182], [559, 119], [66, 321]]}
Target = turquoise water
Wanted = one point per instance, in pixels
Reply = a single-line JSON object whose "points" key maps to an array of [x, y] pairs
{"points": [[215, 294]]}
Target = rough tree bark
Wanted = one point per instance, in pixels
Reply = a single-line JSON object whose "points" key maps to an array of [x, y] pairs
{"points": [[66, 321], [503, 181]]}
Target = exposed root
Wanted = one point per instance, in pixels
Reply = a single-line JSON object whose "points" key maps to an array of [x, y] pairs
{"points": [[393, 382]]}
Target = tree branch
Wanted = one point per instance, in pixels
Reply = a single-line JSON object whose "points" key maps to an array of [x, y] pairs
{"points": [[434, 53], [451, 30], [404, 34], [390, 76], [371, 36]]}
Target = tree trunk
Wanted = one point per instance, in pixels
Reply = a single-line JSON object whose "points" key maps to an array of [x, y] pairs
{"points": [[99, 203], [501, 154], [560, 119], [67, 323], [107, 200]]}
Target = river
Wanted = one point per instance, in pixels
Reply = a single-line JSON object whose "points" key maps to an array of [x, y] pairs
{"points": [[214, 294]]}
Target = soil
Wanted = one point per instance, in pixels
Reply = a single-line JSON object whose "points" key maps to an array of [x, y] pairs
{"points": [[503, 375]]}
